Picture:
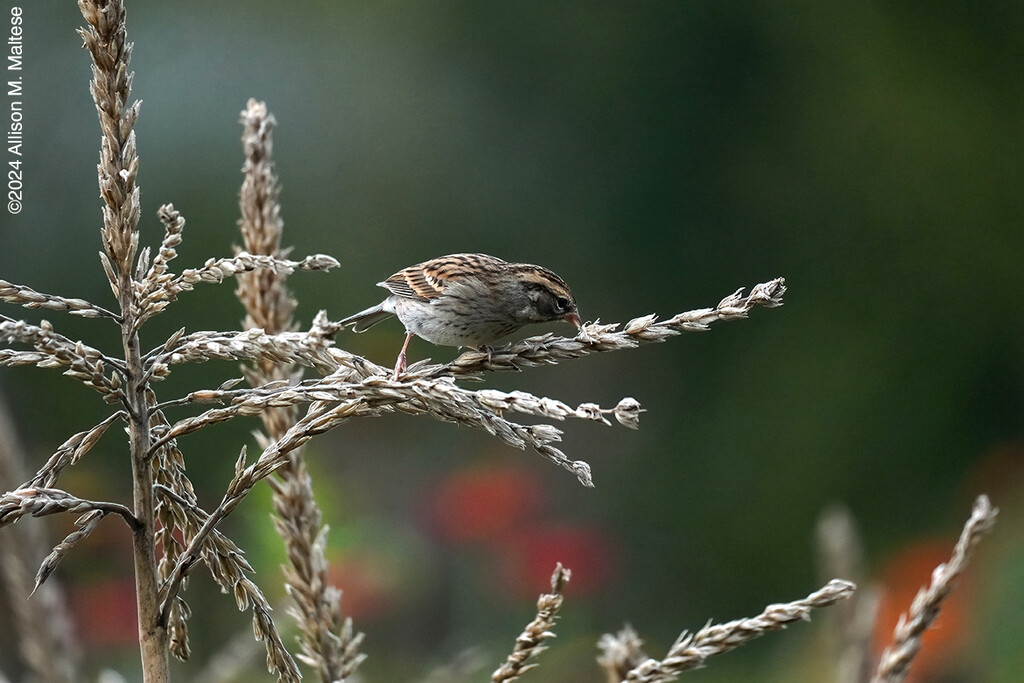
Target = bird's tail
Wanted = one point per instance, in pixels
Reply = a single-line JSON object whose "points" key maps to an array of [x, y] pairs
{"points": [[364, 320]]}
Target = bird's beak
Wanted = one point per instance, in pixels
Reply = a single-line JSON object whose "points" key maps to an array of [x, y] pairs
{"points": [[574, 319]]}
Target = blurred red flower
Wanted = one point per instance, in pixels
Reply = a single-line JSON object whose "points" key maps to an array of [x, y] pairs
{"points": [[104, 613], [482, 504], [367, 586], [527, 558]]}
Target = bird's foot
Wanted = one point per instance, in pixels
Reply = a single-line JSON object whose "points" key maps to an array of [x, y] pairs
{"points": [[400, 363]]}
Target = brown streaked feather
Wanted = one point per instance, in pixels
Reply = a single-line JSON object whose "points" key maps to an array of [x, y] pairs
{"points": [[428, 280]]}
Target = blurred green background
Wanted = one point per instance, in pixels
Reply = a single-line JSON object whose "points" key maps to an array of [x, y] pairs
{"points": [[658, 156]]}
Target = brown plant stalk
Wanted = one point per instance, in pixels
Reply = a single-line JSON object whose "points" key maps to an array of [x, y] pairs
{"points": [[105, 39], [327, 640]]}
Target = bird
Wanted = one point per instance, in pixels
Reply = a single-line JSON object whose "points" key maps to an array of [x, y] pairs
{"points": [[468, 300]]}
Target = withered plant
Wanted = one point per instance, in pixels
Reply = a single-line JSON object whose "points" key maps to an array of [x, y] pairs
{"points": [[171, 533]]}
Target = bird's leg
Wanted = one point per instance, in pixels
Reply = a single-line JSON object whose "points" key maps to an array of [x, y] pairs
{"points": [[400, 363], [486, 349], [483, 348]]}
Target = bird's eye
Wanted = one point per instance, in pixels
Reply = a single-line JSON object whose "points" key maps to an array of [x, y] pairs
{"points": [[562, 303]]}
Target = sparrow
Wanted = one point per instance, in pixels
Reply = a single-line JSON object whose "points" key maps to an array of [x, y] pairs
{"points": [[468, 300]]}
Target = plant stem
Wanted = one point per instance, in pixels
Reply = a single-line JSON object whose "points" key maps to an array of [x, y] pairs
{"points": [[153, 635]]}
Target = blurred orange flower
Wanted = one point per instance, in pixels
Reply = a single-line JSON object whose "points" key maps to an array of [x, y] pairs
{"points": [[906, 573]]}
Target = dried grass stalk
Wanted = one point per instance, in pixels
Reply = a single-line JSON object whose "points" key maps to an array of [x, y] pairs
{"points": [[620, 653], [40, 501], [217, 270], [228, 567], [328, 642], [598, 338], [691, 650], [176, 512], [54, 350], [105, 39], [301, 348], [29, 298], [174, 227], [530, 642], [71, 451], [906, 637], [225, 560], [440, 398], [86, 524], [841, 554]]}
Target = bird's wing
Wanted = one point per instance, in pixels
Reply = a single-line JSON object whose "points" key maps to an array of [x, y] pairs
{"points": [[428, 280]]}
